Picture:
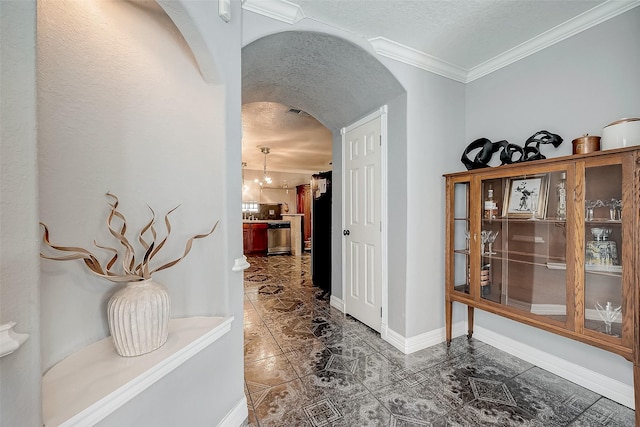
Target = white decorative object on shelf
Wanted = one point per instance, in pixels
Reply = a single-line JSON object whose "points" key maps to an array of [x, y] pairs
{"points": [[241, 264], [10, 340], [138, 316]]}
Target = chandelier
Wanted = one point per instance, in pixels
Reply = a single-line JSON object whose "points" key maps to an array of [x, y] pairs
{"points": [[266, 179], [245, 187]]}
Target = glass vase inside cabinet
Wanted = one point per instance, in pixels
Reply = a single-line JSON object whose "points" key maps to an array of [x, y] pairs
{"points": [[523, 256], [603, 290], [461, 237]]}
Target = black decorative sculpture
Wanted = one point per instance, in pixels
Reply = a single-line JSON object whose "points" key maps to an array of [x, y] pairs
{"points": [[531, 150]]}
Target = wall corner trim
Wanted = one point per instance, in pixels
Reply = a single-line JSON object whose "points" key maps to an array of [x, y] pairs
{"points": [[394, 50], [237, 415], [281, 10], [336, 303], [422, 341]]}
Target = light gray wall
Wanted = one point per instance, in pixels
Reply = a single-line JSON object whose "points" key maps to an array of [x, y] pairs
{"points": [[19, 279], [109, 122], [397, 195], [435, 117], [196, 394], [424, 126], [574, 87], [126, 106]]}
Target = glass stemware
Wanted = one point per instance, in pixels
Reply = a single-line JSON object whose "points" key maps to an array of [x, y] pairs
{"points": [[608, 314], [490, 239], [484, 238]]}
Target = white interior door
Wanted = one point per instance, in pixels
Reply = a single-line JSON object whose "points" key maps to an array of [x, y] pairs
{"points": [[362, 228]]}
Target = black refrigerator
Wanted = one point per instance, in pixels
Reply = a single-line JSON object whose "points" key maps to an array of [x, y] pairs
{"points": [[321, 230]]}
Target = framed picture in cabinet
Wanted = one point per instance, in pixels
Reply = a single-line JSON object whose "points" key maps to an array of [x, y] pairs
{"points": [[526, 197]]}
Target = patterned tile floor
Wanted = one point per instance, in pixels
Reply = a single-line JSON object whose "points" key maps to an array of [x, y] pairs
{"points": [[306, 364]]}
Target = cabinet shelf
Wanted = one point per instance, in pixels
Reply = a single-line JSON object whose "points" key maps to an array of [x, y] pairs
{"points": [[604, 221], [524, 220], [612, 270], [521, 258]]}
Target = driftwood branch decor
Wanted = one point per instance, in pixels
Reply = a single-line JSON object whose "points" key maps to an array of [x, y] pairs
{"points": [[131, 271]]}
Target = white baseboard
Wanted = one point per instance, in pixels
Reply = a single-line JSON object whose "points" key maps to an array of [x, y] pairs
{"points": [[336, 303], [594, 381], [422, 341], [601, 384], [237, 415]]}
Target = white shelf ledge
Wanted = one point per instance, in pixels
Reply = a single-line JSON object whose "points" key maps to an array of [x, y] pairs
{"points": [[90, 384], [241, 264], [10, 340]]}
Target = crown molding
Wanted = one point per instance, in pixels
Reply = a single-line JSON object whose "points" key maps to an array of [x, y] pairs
{"points": [[282, 10], [291, 13], [582, 22], [416, 58]]}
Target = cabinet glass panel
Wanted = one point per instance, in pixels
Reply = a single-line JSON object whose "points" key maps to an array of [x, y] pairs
{"points": [[461, 237], [603, 245], [524, 243]]}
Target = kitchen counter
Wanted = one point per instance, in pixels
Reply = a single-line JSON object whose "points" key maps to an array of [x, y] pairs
{"points": [[296, 232], [264, 221]]}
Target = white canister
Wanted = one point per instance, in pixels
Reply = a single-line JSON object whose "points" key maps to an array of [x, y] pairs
{"points": [[621, 133]]}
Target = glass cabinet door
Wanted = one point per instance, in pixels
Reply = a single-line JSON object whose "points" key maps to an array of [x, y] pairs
{"points": [[524, 243], [461, 236], [603, 292]]}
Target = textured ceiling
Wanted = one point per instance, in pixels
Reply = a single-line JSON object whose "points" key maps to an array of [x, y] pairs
{"points": [[325, 76], [297, 142], [465, 33], [337, 82]]}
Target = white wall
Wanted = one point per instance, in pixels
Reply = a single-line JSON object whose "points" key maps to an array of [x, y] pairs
{"points": [[574, 87], [19, 279], [124, 107]]}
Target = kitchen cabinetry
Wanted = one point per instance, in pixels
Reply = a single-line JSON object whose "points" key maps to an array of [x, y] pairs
{"points": [[553, 244], [254, 237], [303, 193]]}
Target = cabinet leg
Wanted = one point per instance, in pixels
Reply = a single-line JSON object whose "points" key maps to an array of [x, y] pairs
{"points": [[448, 309], [469, 322], [636, 391]]}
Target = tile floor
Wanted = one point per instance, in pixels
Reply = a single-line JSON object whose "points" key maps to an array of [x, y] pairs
{"points": [[306, 364]]}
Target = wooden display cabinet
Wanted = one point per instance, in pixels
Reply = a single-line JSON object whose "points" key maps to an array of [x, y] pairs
{"points": [[565, 270]]}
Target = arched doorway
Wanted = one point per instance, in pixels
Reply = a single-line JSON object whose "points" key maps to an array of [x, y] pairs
{"points": [[334, 80]]}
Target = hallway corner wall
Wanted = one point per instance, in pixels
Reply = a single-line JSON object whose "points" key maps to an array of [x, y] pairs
{"points": [[19, 279]]}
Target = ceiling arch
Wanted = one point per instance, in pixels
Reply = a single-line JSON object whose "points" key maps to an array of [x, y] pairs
{"points": [[330, 78]]}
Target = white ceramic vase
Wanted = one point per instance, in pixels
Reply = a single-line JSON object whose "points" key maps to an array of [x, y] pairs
{"points": [[138, 316]]}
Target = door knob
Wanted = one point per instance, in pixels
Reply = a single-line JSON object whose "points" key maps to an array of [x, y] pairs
{"points": [[346, 232]]}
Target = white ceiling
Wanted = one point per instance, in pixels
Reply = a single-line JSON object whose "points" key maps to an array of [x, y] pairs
{"points": [[459, 39], [297, 142]]}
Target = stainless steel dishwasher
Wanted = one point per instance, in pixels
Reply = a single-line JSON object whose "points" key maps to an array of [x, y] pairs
{"points": [[278, 237]]}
